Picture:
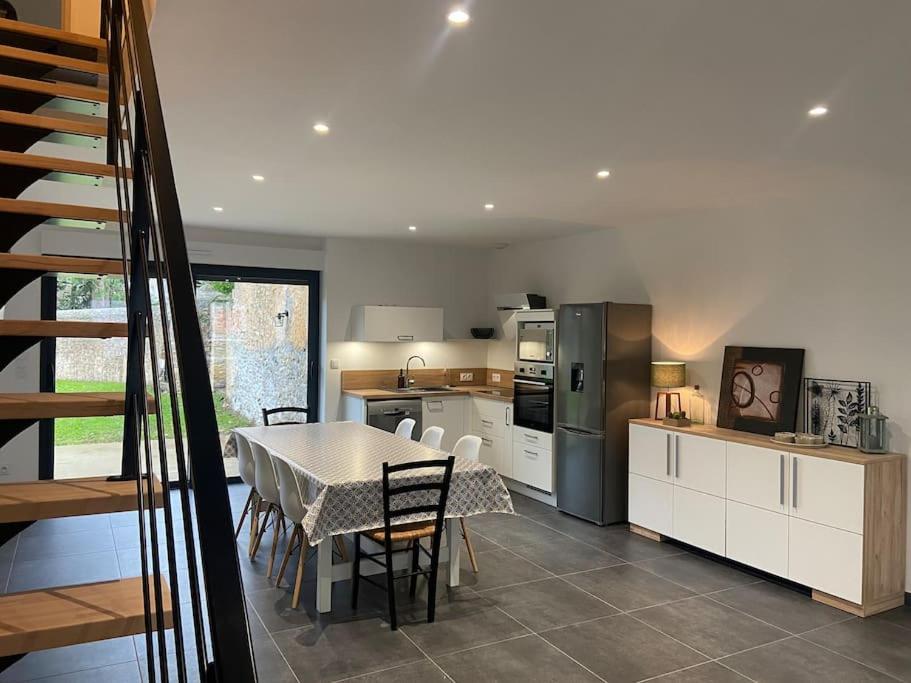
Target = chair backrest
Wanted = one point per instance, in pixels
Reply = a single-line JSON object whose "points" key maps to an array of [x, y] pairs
{"points": [[246, 468], [267, 412], [433, 437], [393, 489], [405, 427], [468, 447], [266, 485], [288, 492]]}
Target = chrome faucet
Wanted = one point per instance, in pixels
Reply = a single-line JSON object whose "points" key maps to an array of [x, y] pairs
{"points": [[409, 380]]}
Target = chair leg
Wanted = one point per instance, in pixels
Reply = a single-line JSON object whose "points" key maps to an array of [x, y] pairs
{"points": [[356, 570], [243, 515], [288, 551], [469, 546], [254, 523], [415, 565], [390, 586], [301, 561], [262, 530], [340, 546], [434, 567], [275, 524]]}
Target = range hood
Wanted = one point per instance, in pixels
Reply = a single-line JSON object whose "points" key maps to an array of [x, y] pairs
{"points": [[519, 302]]}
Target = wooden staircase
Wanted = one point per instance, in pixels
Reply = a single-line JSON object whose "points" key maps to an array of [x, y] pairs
{"points": [[41, 67]]}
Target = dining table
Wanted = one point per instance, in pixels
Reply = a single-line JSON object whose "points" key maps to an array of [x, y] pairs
{"points": [[338, 467]]}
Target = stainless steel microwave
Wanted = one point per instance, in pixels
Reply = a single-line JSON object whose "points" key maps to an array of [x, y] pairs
{"points": [[536, 341]]}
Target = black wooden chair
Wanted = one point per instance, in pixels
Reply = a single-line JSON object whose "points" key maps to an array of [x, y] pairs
{"points": [[287, 409], [411, 533]]}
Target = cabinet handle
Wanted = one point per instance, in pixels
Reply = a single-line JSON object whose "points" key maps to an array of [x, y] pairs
{"points": [[667, 451], [405, 337], [487, 442], [531, 453], [529, 437], [781, 479], [487, 422], [677, 456], [794, 483], [508, 416]]}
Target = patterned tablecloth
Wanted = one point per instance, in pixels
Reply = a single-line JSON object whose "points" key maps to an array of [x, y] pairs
{"points": [[339, 471]]}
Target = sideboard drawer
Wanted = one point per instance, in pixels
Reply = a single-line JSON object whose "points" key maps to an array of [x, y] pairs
{"points": [[828, 492], [699, 463]]}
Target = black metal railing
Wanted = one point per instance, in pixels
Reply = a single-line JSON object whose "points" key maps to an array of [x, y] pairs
{"points": [[166, 366]]}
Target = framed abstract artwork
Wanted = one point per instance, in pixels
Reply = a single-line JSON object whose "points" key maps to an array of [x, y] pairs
{"points": [[831, 407], [760, 389]]}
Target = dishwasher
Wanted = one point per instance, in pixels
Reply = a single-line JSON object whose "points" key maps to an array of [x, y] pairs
{"points": [[386, 414]]}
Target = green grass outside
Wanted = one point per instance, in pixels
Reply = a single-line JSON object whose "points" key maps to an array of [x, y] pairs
{"points": [[77, 430]]}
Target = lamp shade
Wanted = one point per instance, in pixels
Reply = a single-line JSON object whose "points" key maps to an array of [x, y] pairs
{"points": [[668, 374]]}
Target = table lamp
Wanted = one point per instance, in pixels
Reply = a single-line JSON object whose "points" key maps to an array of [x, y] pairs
{"points": [[668, 375]]}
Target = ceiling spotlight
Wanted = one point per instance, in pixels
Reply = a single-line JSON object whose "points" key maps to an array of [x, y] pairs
{"points": [[603, 173], [818, 110], [321, 128], [458, 17], [413, 228], [259, 178], [488, 207], [218, 209]]}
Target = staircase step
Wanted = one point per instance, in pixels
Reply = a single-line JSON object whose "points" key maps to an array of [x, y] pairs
{"points": [[40, 406], [54, 164], [61, 328], [52, 124], [54, 89], [49, 210], [53, 34], [52, 60], [57, 617], [33, 500], [61, 264]]}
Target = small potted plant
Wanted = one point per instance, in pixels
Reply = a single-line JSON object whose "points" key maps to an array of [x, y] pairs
{"points": [[677, 419]]}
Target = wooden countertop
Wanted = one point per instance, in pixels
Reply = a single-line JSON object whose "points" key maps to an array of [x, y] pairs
{"points": [[830, 452], [481, 391]]}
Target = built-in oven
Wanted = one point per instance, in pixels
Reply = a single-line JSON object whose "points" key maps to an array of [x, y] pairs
{"points": [[533, 396], [536, 341]]}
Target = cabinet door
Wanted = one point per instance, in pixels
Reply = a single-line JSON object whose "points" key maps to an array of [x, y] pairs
{"points": [[650, 452], [488, 417], [493, 453], [448, 413], [758, 476], [533, 466], [827, 559], [757, 537], [699, 519], [828, 492], [651, 504], [699, 463], [401, 324]]}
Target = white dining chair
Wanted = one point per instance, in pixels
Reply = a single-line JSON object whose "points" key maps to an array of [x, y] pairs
{"points": [[294, 509], [267, 487], [247, 471], [433, 437], [405, 427], [468, 447]]}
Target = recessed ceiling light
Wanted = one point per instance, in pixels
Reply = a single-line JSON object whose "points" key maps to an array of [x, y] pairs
{"points": [[218, 209], [603, 173], [458, 17], [321, 128], [413, 228], [258, 178], [818, 110], [488, 207]]}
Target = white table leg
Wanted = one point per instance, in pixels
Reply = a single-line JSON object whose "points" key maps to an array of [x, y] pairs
{"points": [[454, 544], [324, 575]]}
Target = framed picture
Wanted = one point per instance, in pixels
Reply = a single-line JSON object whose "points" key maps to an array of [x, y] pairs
{"points": [[760, 389], [831, 407]]}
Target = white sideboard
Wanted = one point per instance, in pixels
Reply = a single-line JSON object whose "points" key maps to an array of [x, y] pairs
{"points": [[832, 519]]}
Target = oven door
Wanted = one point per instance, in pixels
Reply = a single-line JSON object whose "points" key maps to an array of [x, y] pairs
{"points": [[535, 342], [533, 402]]}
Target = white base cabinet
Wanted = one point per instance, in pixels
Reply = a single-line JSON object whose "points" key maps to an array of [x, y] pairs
{"points": [[831, 520], [492, 421], [450, 413]]}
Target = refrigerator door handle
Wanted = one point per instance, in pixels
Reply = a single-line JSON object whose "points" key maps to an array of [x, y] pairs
{"points": [[580, 432]]}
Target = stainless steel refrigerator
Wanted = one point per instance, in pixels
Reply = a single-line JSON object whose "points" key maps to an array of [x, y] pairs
{"points": [[602, 380]]}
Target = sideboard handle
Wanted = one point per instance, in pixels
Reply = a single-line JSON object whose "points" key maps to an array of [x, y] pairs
{"points": [[781, 479], [794, 483]]}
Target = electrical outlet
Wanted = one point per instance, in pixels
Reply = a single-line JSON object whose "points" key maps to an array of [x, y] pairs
{"points": [[334, 364], [494, 376], [4, 470], [466, 376]]}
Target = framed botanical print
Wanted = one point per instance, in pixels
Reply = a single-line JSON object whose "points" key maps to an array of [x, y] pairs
{"points": [[831, 407], [760, 389]]}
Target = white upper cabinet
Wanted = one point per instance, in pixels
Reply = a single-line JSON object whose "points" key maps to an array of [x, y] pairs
{"points": [[758, 476], [396, 324], [650, 452], [828, 492], [699, 463]]}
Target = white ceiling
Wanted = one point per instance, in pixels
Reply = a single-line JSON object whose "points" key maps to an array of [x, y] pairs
{"points": [[692, 104]]}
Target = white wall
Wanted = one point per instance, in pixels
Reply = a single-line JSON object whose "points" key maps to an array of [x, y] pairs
{"points": [[827, 274], [367, 272]]}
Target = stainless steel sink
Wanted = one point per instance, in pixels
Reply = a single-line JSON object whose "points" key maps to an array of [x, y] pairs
{"points": [[423, 390]]}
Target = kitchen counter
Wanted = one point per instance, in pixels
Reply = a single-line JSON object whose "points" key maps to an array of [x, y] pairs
{"points": [[481, 391]]}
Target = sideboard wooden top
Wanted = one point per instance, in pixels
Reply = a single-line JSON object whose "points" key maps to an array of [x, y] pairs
{"points": [[830, 452]]}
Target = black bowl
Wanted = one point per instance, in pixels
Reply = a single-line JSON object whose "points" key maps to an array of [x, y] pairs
{"points": [[482, 332]]}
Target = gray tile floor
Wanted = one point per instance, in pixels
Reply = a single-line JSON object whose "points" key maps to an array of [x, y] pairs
{"points": [[557, 599]]}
